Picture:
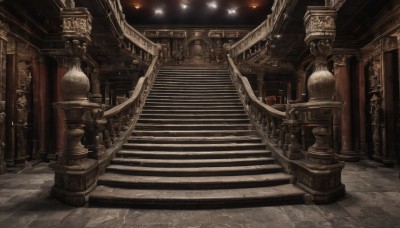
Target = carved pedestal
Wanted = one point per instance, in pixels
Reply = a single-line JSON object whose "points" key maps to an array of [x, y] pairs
{"points": [[320, 173], [75, 173], [322, 182]]}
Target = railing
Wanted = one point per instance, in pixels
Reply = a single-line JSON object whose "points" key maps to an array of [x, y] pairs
{"points": [[264, 30], [129, 32], [106, 131], [269, 122]]}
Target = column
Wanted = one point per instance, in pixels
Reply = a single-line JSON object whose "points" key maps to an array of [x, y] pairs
{"points": [[11, 76], [95, 83], [301, 85], [362, 99], [342, 88], [3, 56], [260, 80], [59, 116], [42, 106]]}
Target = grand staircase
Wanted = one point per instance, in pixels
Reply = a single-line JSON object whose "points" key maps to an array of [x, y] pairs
{"points": [[194, 146]]}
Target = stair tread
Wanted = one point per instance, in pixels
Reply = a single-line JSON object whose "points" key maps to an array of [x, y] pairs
{"points": [[180, 145], [191, 169], [122, 178], [143, 161], [192, 153], [238, 194], [188, 138]]}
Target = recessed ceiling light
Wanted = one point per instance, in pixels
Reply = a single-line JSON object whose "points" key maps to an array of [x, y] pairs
{"points": [[137, 6], [232, 11], [184, 5], [212, 4], [158, 11]]}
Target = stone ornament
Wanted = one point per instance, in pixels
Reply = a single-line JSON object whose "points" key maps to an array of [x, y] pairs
{"points": [[76, 24], [319, 23]]}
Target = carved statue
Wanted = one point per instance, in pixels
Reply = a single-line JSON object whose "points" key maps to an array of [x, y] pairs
{"points": [[22, 111]]}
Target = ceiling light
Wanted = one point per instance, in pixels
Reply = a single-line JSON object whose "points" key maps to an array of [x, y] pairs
{"points": [[212, 4], [184, 5], [232, 11], [254, 6], [137, 6], [158, 11]]}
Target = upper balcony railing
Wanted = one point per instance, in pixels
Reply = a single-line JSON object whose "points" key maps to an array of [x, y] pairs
{"points": [[265, 29], [129, 32]]}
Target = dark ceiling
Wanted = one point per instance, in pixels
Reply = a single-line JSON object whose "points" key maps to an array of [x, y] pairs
{"points": [[197, 12]]}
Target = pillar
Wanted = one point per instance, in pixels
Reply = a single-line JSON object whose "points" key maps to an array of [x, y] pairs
{"points": [[342, 88], [95, 84], [42, 106], [59, 116], [301, 84], [3, 56], [11, 76], [362, 99], [260, 80]]}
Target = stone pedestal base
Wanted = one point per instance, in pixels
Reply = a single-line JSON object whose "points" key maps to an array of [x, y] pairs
{"points": [[3, 168], [322, 182], [73, 183], [349, 156]]}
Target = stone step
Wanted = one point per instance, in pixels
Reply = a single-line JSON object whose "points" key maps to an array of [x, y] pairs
{"points": [[186, 97], [194, 172], [193, 94], [192, 116], [209, 198], [220, 89], [198, 140], [190, 84], [201, 82], [192, 107], [198, 111], [194, 147], [199, 102], [193, 154], [222, 162], [213, 182], [193, 121], [148, 126], [198, 133]]}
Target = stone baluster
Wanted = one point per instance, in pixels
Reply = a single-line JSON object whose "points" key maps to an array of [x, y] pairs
{"points": [[3, 55], [75, 173]]}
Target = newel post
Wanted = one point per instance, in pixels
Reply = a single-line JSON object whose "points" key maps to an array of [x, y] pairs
{"points": [[75, 173], [320, 173]]}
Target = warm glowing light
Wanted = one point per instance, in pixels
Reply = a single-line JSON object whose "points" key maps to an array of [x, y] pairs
{"points": [[158, 11], [137, 6], [254, 6], [212, 4], [184, 6]]}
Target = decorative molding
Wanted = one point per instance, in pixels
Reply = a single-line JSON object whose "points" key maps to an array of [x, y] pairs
{"points": [[319, 23]]}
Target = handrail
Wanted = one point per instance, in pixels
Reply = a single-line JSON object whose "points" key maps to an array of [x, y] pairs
{"points": [[263, 30], [250, 93], [136, 92], [129, 32], [106, 131]]}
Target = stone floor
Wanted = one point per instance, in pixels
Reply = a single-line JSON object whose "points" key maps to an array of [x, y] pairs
{"points": [[373, 200]]}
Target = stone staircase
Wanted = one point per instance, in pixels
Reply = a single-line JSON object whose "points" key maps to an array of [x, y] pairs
{"points": [[194, 146]]}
